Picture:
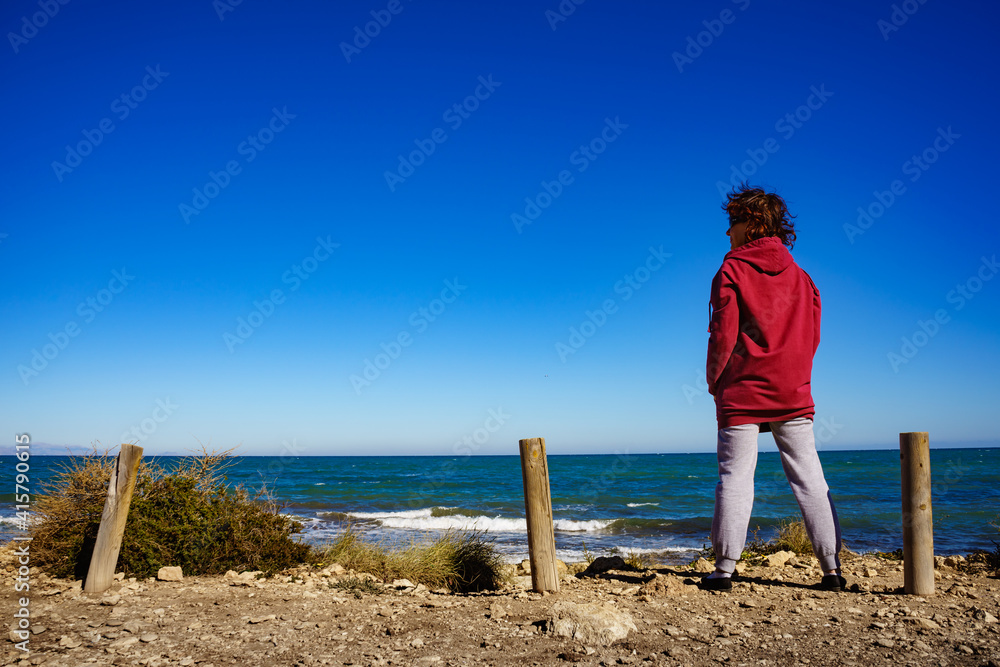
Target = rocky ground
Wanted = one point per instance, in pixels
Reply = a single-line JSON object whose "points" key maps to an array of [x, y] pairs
{"points": [[620, 616]]}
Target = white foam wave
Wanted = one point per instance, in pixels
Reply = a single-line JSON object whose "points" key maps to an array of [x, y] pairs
{"points": [[15, 521], [643, 504], [422, 519], [382, 516]]}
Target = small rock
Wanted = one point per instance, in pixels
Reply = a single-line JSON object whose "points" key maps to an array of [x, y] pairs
{"points": [[702, 565], [954, 561], [169, 574], [589, 623], [69, 641], [887, 643], [123, 643], [602, 564], [778, 559], [111, 600], [402, 583], [663, 585], [416, 642], [870, 572], [262, 619], [965, 649], [148, 637]]}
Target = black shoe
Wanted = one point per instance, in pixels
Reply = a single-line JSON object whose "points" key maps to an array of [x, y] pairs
{"points": [[716, 583], [832, 582]]}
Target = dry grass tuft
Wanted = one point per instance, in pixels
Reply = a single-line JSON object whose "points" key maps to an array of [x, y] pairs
{"points": [[792, 537], [460, 562]]}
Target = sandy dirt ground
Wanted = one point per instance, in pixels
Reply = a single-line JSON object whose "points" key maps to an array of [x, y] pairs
{"points": [[772, 616]]}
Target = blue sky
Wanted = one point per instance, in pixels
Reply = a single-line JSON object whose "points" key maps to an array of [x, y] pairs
{"points": [[216, 215]]}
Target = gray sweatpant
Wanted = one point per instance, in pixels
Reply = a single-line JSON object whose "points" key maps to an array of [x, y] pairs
{"points": [[734, 493]]}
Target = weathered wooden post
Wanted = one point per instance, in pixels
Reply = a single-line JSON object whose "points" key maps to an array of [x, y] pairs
{"points": [[538, 512], [918, 526], [101, 573]]}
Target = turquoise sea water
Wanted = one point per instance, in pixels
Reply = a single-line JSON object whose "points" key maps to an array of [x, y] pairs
{"points": [[658, 503]]}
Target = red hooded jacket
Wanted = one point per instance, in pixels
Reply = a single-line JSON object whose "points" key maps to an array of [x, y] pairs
{"points": [[764, 331]]}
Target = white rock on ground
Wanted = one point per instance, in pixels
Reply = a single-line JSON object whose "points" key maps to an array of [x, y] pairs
{"points": [[170, 574], [589, 623]]}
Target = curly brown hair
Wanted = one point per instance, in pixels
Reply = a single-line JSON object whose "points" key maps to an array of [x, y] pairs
{"points": [[765, 214]]}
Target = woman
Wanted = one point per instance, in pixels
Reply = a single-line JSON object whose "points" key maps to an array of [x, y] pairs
{"points": [[764, 331]]}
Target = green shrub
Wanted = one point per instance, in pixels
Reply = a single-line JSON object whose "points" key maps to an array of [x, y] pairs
{"points": [[358, 586], [186, 516]]}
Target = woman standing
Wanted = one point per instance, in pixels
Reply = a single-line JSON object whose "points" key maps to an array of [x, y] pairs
{"points": [[764, 331]]}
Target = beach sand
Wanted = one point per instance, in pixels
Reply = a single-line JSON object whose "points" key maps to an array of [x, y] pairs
{"points": [[771, 617]]}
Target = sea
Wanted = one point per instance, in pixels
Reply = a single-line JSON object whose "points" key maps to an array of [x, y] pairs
{"points": [[655, 504]]}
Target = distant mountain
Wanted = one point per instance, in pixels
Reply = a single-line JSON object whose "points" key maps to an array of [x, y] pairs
{"points": [[45, 449]]}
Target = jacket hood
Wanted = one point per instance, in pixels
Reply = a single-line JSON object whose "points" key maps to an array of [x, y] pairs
{"points": [[767, 254]]}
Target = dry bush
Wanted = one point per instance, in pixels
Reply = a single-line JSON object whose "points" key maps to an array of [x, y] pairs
{"points": [[461, 562], [185, 515], [792, 536]]}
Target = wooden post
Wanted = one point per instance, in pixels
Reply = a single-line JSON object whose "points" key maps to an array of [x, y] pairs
{"points": [[101, 573], [538, 512], [918, 526]]}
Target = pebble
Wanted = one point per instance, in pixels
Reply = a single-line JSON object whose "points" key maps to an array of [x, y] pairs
{"points": [[887, 643], [262, 619], [148, 637]]}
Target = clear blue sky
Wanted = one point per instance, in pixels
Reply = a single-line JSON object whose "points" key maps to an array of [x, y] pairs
{"points": [[630, 113]]}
